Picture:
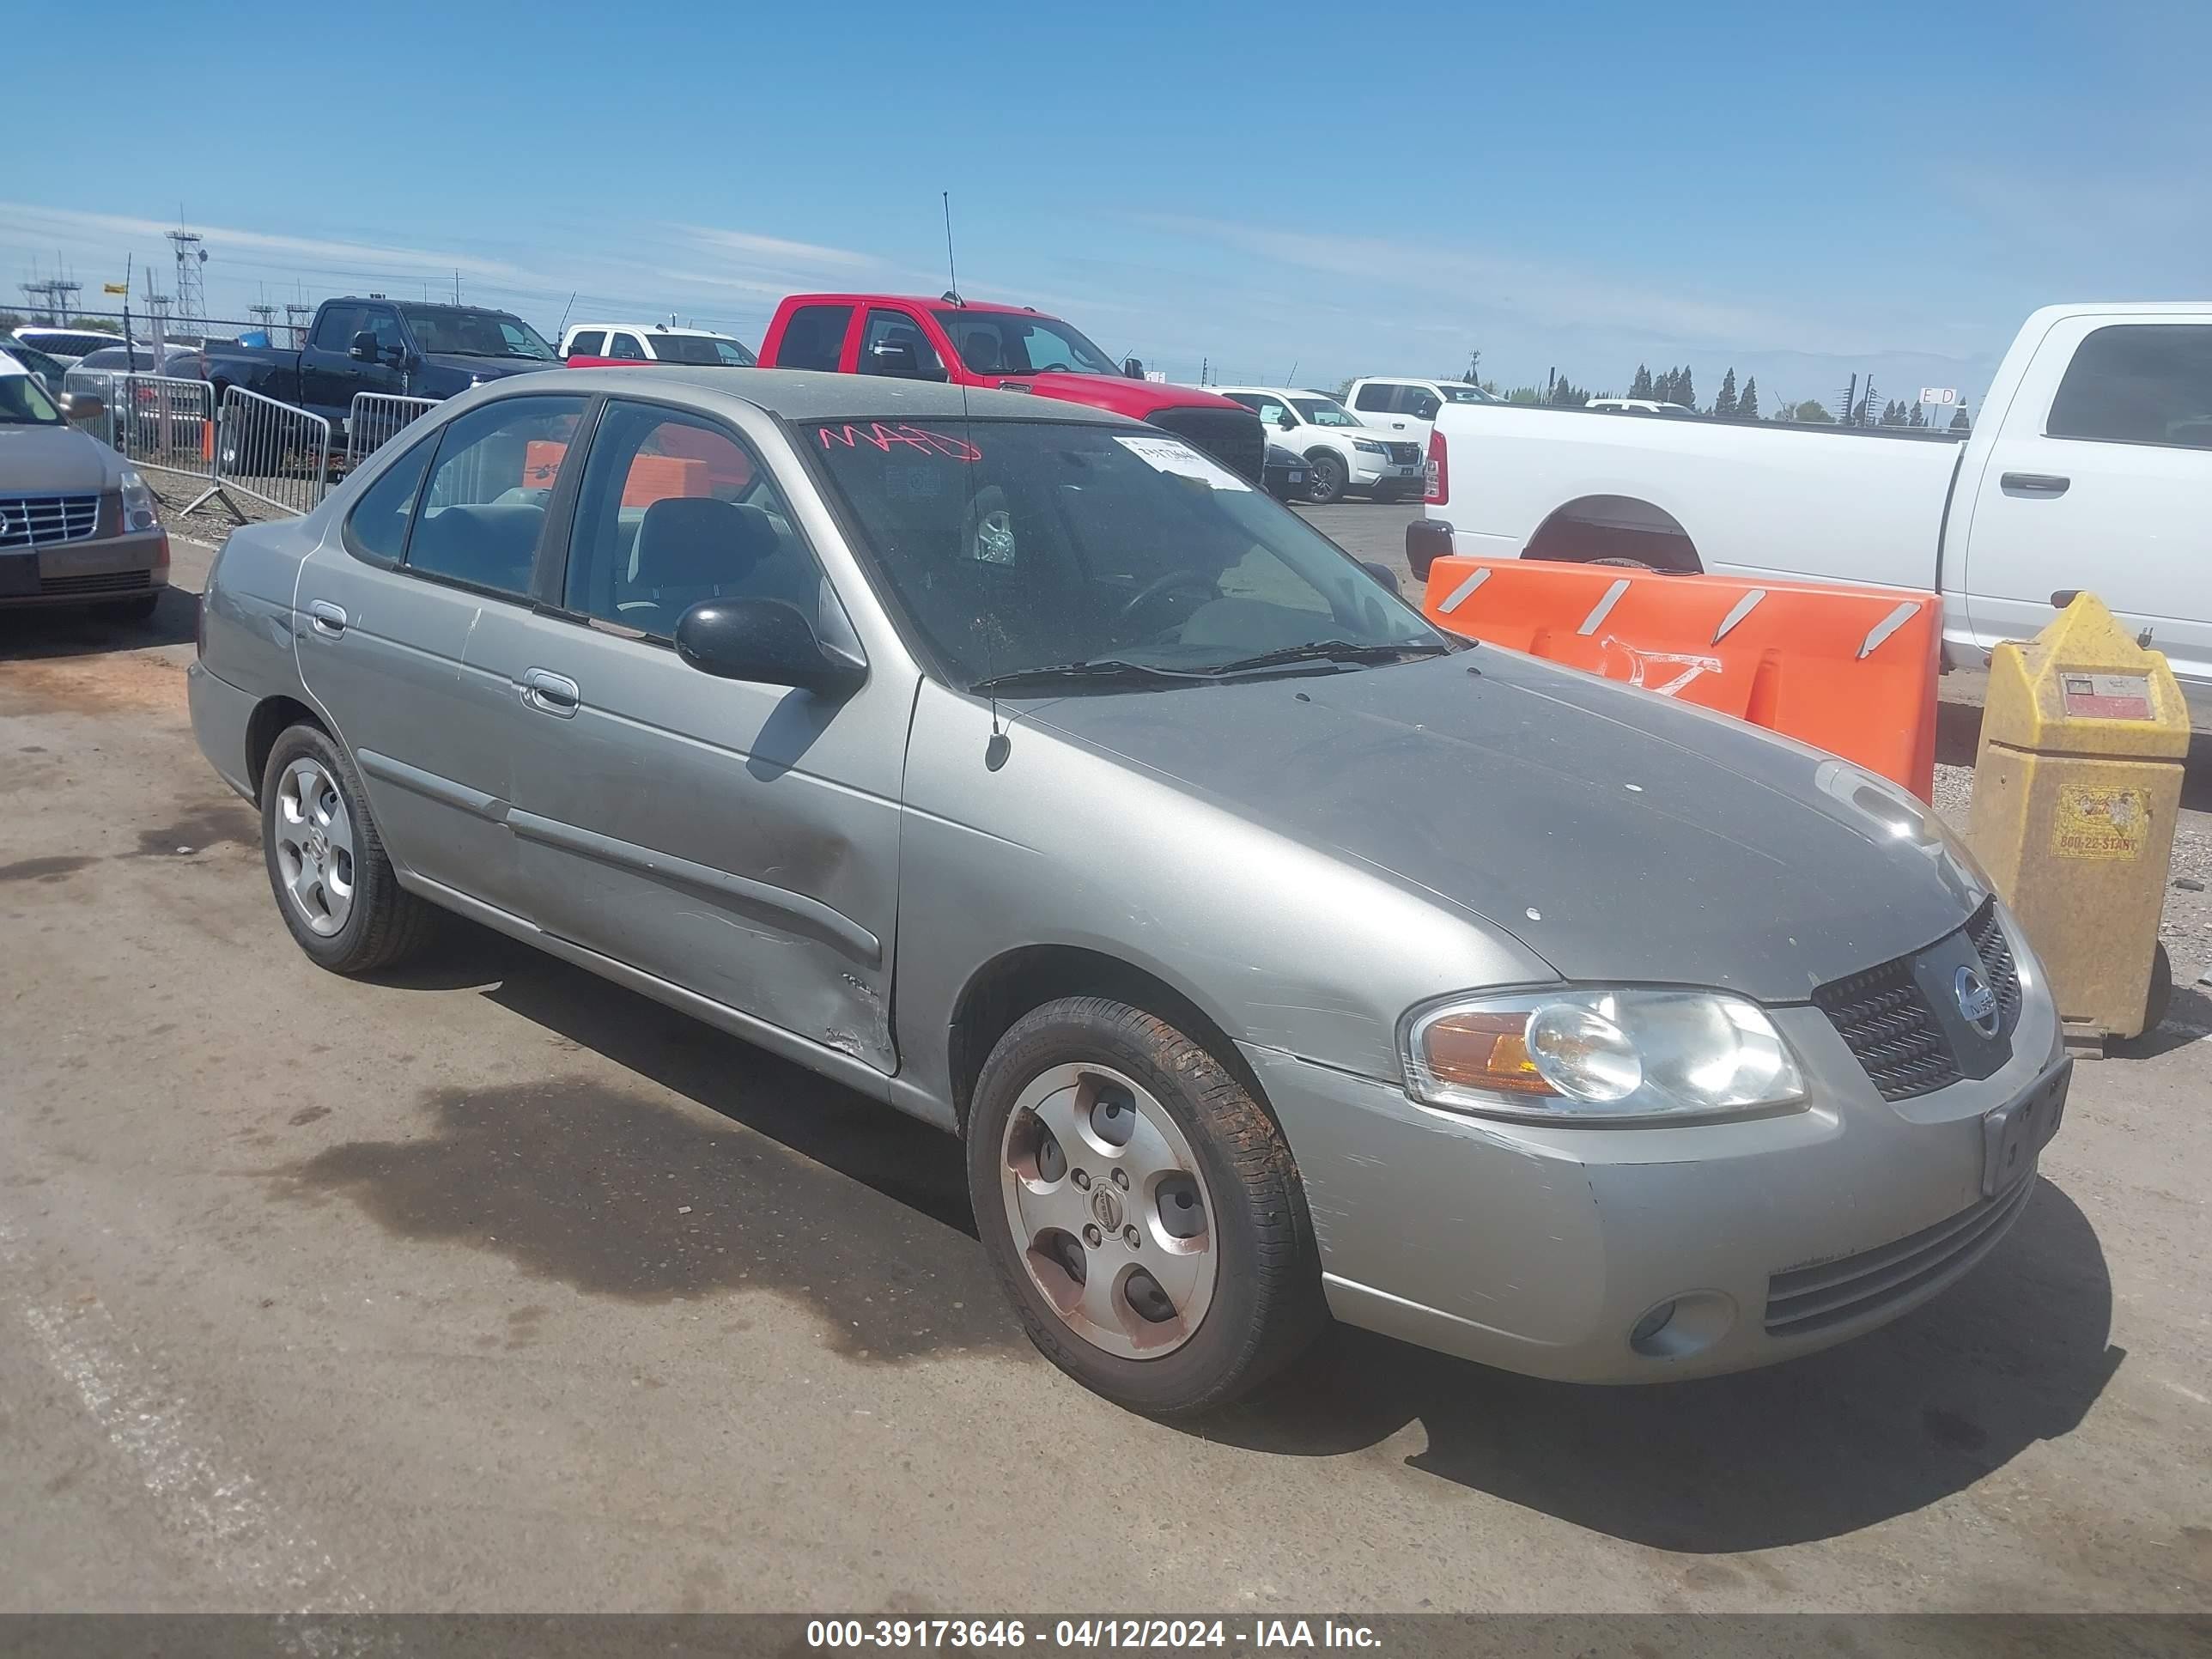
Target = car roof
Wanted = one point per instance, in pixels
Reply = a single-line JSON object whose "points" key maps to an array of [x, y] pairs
{"points": [[806, 394], [651, 328], [1271, 390], [926, 302]]}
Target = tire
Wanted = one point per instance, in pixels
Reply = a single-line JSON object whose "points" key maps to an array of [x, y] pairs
{"points": [[363, 920], [1330, 475], [1626, 564], [1247, 1298], [139, 610]]}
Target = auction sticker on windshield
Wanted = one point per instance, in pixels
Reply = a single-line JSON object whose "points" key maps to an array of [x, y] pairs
{"points": [[1172, 455]]}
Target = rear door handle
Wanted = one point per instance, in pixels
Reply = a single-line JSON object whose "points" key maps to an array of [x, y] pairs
{"points": [[2035, 483], [549, 692], [327, 619]]}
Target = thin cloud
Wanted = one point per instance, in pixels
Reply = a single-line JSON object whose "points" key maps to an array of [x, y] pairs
{"points": [[777, 252], [43, 224]]}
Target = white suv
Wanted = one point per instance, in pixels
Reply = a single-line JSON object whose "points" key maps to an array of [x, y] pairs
{"points": [[1346, 456], [1407, 406], [655, 343]]}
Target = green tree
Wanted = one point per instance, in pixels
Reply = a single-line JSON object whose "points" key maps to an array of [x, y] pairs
{"points": [[1525, 394], [1685, 393], [1747, 406], [103, 324], [10, 320], [1641, 386], [1960, 422], [1725, 403], [1814, 413], [1918, 417], [1567, 395]]}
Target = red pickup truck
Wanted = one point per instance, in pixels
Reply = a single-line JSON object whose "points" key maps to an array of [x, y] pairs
{"points": [[1012, 348]]}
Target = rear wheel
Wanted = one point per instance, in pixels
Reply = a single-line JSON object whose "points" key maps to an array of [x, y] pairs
{"points": [[1142, 1211], [334, 885], [1329, 480]]}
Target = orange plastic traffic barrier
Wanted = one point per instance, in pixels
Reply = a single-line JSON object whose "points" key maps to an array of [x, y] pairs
{"points": [[651, 478], [1850, 669]]}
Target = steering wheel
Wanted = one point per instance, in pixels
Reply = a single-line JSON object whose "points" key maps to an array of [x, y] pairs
{"points": [[1160, 586]]}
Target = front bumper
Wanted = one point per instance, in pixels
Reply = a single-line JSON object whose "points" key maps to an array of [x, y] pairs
{"points": [[1539, 1247], [1371, 472], [93, 571]]}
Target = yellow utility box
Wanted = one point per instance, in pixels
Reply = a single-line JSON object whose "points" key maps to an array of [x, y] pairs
{"points": [[2076, 790]]}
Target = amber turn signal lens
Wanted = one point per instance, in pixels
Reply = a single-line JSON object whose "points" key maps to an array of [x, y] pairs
{"points": [[1483, 1051]]}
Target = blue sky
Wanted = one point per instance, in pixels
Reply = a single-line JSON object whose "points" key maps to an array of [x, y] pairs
{"points": [[1797, 191]]}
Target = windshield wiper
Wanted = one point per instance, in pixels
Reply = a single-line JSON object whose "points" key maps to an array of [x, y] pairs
{"points": [[1106, 670], [1335, 651]]}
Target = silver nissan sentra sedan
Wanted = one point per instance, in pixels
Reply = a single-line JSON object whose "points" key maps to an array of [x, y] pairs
{"points": [[1275, 956]]}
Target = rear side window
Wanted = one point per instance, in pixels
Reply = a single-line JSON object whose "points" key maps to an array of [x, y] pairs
{"points": [[589, 344], [2139, 383], [484, 510], [814, 337], [625, 348], [376, 529]]}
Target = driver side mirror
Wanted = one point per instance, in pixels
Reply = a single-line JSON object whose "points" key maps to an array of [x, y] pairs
{"points": [[1132, 368], [363, 349], [767, 642], [80, 406], [1383, 574], [899, 358]]}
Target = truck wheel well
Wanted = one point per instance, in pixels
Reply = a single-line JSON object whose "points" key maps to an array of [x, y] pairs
{"points": [[271, 718], [1004, 989], [1618, 527]]}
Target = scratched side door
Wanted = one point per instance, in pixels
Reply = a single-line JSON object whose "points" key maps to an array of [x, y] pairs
{"points": [[739, 841]]}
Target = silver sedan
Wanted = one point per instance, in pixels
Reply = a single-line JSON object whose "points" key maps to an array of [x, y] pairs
{"points": [[1276, 956]]}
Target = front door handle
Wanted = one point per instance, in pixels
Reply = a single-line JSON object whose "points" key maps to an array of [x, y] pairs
{"points": [[327, 619], [2035, 483], [549, 692]]}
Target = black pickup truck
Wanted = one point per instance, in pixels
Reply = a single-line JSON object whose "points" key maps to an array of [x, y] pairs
{"points": [[393, 346]]}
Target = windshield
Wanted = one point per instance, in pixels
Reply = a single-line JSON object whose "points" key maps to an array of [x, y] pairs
{"points": [[1021, 342], [475, 333], [1326, 411], [1020, 545], [701, 349], [1468, 394], [23, 402]]}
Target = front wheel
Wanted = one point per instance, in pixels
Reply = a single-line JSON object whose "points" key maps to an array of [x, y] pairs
{"points": [[1142, 1211], [1329, 478]]}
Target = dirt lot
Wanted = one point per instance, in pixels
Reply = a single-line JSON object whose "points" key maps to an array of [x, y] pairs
{"points": [[493, 1286]]}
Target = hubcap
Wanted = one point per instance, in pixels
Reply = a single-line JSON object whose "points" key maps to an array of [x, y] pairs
{"points": [[1107, 1204], [314, 846]]}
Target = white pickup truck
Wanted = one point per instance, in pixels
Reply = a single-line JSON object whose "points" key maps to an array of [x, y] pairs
{"points": [[2090, 467]]}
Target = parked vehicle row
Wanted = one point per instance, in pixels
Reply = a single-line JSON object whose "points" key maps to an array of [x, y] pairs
{"points": [[1275, 955], [613, 345], [2091, 467], [1346, 455]]}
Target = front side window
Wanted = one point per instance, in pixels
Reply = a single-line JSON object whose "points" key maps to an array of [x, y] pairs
{"points": [[1326, 411], [1468, 394], [1022, 342], [1374, 395], [376, 529], [589, 343], [338, 325], [625, 348], [895, 344], [814, 337], [23, 402], [2139, 383], [675, 510], [484, 510], [1013, 546]]}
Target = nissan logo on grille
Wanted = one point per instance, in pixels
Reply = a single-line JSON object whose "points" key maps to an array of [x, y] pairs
{"points": [[1976, 1001]]}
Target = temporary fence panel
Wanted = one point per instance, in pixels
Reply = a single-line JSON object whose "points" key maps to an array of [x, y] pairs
{"points": [[1850, 669], [278, 454], [377, 417], [160, 423]]}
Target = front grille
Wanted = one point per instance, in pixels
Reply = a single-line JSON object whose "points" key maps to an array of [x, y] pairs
{"points": [[1986, 935], [1884, 1019], [1806, 1300], [1886, 1022], [113, 582], [43, 520], [1233, 437], [1405, 454]]}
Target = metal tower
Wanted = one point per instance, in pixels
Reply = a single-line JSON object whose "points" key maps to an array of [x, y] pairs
{"points": [[191, 296]]}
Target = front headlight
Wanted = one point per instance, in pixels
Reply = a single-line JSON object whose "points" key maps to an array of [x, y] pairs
{"points": [[1600, 1054], [1371, 448], [140, 511]]}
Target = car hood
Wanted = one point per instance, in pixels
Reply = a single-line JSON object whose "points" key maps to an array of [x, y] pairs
{"points": [[1118, 394], [49, 459], [486, 369], [1617, 835]]}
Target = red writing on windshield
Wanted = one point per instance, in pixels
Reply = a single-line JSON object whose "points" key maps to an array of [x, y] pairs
{"points": [[886, 438]]}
